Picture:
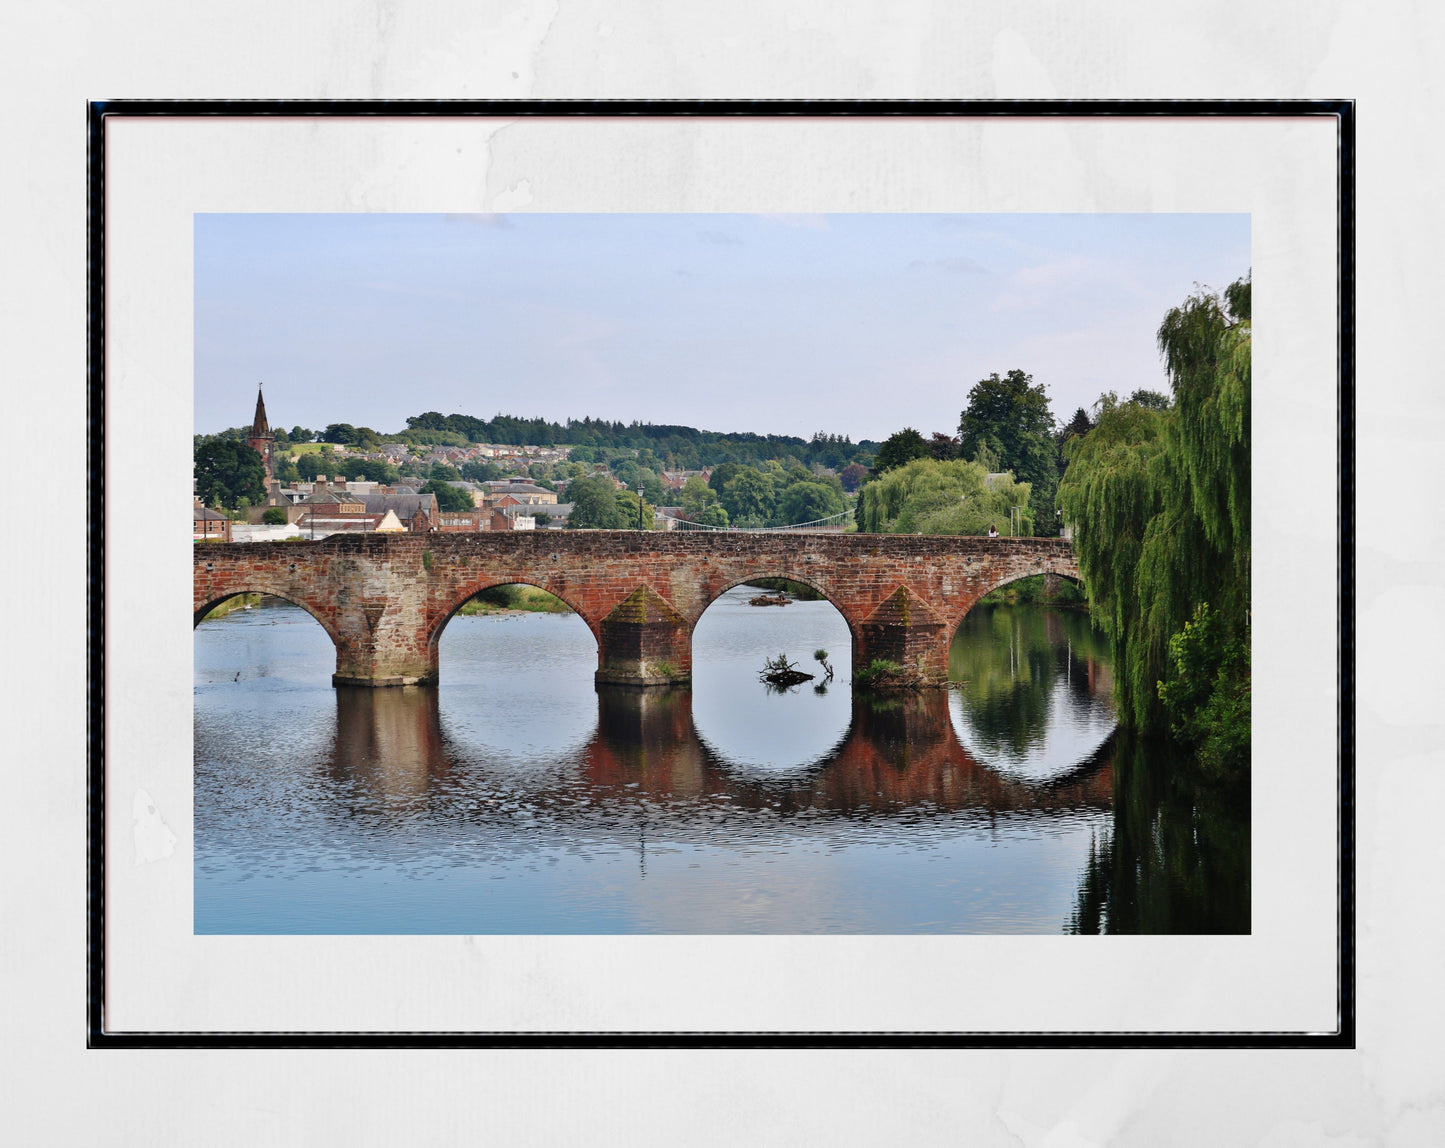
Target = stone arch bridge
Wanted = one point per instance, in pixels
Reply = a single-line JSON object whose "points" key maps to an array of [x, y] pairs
{"points": [[385, 599]]}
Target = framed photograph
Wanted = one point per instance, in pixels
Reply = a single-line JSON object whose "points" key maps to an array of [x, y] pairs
{"points": [[504, 425]]}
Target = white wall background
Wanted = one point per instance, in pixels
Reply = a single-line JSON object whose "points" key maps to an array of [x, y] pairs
{"points": [[1386, 55]]}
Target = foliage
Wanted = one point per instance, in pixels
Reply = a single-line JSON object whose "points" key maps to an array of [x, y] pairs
{"points": [[1036, 590], [931, 497], [673, 447], [274, 516], [697, 496], [442, 472], [226, 471], [594, 505], [1154, 400], [711, 516], [514, 596], [810, 501], [1207, 697], [481, 470], [900, 449], [851, 476], [1160, 500], [749, 498], [449, 498], [1010, 419]]}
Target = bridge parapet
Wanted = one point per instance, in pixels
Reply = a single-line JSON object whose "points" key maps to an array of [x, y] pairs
{"points": [[385, 599]]}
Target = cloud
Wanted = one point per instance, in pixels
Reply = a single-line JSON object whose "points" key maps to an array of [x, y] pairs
{"points": [[485, 218], [721, 238], [954, 264]]}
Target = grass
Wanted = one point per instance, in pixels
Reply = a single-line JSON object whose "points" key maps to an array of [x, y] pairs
{"points": [[512, 599], [230, 605]]}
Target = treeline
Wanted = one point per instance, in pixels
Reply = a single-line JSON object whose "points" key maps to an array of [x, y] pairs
{"points": [[676, 447]]}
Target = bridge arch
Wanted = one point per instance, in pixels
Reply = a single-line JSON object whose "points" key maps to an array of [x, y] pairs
{"points": [[734, 580], [484, 584], [326, 623]]}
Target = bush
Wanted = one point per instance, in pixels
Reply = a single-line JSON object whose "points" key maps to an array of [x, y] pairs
{"points": [[274, 516]]}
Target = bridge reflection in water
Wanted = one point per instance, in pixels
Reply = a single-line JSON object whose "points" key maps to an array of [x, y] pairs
{"points": [[899, 757]]}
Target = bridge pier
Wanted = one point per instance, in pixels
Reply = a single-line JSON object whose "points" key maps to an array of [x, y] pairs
{"points": [[370, 652], [904, 630], [644, 642]]}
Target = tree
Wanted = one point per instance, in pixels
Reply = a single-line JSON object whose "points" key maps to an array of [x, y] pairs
{"points": [[301, 434], [697, 496], [851, 476], [274, 516], [930, 497], [943, 447], [227, 471], [808, 502], [722, 474], [444, 473], [900, 449], [449, 497], [1010, 417], [1154, 400], [343, 434], [1160, 499], [749, 497], [594, 505], [481, 470]]}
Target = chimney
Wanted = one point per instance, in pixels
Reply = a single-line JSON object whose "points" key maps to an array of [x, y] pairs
{"points": [[319, 484], [340, 483]]}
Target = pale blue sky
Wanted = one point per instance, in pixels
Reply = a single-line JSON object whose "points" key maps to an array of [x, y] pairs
{"points": [[849, 324]]}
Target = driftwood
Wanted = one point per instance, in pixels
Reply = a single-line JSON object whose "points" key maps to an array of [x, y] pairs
{"points": [[770, 600], [782, 673]]}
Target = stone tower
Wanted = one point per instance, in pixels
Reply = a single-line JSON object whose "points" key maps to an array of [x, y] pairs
{"points": [[261, 440]]}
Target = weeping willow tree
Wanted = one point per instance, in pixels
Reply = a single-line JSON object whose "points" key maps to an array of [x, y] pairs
{"points": [[931, 497], [1159, 503]]}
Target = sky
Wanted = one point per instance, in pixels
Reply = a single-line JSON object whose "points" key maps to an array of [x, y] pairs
{"points": [[846, 324]]}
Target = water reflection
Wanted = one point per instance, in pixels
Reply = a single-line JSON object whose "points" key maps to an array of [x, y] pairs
{"points": [[1175, 858], [899, 754], [518, 798], [1037, 689]]}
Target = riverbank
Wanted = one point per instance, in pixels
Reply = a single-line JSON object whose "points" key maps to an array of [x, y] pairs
{"points": [[231, 605], [514, 599]]}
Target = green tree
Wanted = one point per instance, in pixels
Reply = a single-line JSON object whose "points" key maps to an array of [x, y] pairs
{"points": [[274, 516], [1010, 418], [932, 497], [594, 505], [809, 501], [1160, 503], [444, 473], [449, 497], [899, 449], [481, 470], [697, 496], [722, 474], [749, 498], [343, 434], [227, 471]]}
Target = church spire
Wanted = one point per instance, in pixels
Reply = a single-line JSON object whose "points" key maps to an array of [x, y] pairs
{"points": [[259, 427]]}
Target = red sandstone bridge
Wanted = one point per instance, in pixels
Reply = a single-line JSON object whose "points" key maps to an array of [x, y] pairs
{"points": [[385, 599]]}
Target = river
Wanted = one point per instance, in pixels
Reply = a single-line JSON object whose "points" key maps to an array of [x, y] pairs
{"points": [[517, 797]]}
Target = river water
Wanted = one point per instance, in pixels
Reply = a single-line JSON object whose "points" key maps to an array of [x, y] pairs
{"points": [[517, 797]]}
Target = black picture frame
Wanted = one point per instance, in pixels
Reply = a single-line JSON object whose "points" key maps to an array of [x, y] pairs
{"points": [[99, 113]]}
